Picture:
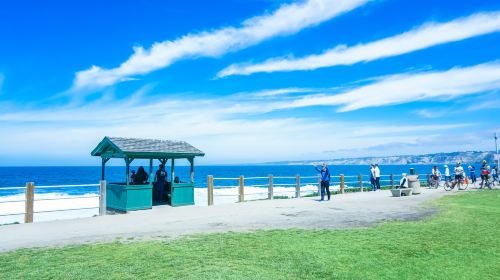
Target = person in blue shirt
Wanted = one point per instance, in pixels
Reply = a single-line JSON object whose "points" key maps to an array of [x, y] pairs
{"points": [[472, 173], [325, 181]]}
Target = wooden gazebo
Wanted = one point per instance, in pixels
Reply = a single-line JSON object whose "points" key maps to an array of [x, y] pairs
{"points": [[125, 196]]}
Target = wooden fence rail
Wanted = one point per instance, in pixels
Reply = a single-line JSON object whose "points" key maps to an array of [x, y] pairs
{"points": [[297, 186], [30, 200]]}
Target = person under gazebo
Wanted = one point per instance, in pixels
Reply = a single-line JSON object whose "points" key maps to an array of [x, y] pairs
{"points": [[141, 178], [160, 182]]}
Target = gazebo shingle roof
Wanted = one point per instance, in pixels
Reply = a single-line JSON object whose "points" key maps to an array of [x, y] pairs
{"points": [[151, 147]]}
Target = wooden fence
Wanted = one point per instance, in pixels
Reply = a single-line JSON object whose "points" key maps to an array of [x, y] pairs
{"points": [[354, 182], [346, 184], [30, 199]]}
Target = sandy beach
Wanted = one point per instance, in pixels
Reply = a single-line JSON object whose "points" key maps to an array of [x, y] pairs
{"points": [[343, 211]]}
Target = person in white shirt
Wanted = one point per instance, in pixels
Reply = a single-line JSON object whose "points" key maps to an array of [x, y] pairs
{"points": [[447, 176], [459, 172], [376, 174], [403, 183], [372, 177], [436, 174]]}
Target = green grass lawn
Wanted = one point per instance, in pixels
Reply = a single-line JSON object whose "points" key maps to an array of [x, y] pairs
{"points": [[462, 241]]}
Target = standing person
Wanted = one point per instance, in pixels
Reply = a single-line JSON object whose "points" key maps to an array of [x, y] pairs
{"points": [[484, 173], [494, 174], [447, 176], [161, 180], [459, 172], [376, 173], [472, 173], [372, 177], [325, 181]]}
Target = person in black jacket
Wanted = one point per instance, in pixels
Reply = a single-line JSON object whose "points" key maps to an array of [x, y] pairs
{"points": [[160, 182], [141, 177]]}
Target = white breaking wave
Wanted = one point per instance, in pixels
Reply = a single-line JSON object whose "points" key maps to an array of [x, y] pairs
{"points": [[60, 201]]}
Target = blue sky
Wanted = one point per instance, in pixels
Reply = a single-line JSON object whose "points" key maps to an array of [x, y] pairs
{"points": [[248, 81]]}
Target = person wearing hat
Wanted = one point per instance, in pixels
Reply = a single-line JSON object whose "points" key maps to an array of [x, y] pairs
{"points": [[485, 172], [447, 176]]}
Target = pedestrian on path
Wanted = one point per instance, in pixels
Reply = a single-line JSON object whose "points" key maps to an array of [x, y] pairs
{"points": [[376, 174], [325, 181], [447, 176], [372, 177], [494, 174], [472, 173]]}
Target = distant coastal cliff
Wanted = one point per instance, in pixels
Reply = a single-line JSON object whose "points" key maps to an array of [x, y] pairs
{"points": [[439, 158]]}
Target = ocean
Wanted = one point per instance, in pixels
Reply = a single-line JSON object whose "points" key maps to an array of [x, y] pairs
{"points": [[48, 200], [58, 175]]}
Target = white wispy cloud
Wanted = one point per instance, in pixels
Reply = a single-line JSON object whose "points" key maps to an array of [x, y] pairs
{"points": [[425, 36], [405, 88], [226, 128], [288, 19]]}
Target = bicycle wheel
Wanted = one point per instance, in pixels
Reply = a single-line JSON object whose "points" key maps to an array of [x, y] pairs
{"points": [[489, 184], [448, 186], [463, 186]]}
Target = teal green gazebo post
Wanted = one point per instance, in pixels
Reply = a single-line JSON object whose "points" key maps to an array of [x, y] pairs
{"points": [[128, 196]]}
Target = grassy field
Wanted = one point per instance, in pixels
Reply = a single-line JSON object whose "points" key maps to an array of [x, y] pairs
{"points": [[462, 241]]}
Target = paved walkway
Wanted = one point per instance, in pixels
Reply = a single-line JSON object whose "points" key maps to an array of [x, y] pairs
{"points": [[344, 211]]}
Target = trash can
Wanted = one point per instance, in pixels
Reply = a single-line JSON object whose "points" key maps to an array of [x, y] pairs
{"points": [[414, 184]]}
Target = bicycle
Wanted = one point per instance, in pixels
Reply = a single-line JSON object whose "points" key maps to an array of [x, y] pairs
{"points": [[486, 183], [459, 182], [434, 183]]}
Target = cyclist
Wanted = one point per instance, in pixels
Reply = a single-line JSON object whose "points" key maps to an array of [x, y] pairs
{"points": [[485, 173], [459, 173], [436, 176]]}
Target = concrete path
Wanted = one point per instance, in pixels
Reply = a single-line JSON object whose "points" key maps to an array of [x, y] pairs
{"points": [[344, 211]]}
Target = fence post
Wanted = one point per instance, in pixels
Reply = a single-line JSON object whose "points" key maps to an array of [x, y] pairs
{"points": [[360, 181], [342, 183], [241, 189], [392, 181], [297, 186], [30, 199], [428, 180], [210, 190], [270, 192], [319, 185], [102, 197]]}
